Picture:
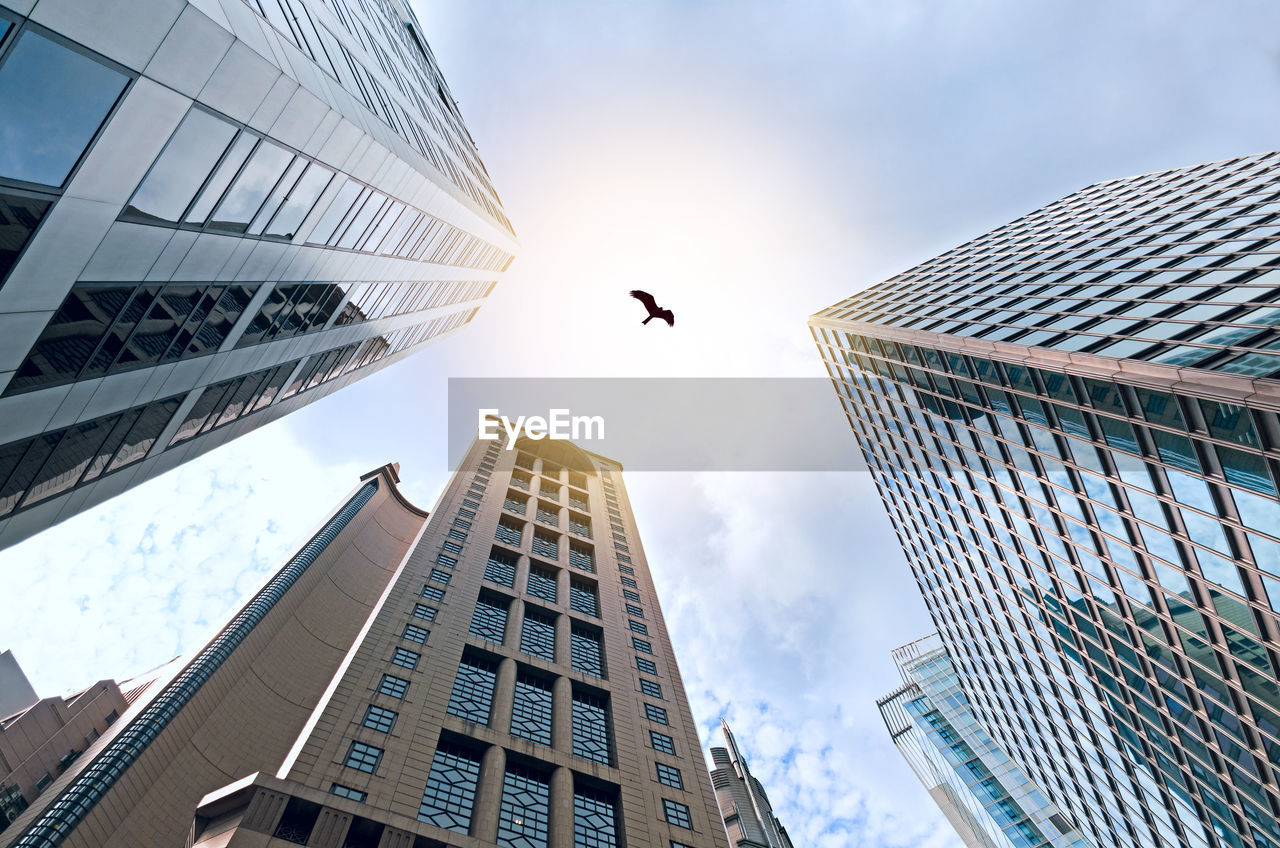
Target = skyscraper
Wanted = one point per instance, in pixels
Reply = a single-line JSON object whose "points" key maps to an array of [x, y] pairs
{"points": [[497, 675], [748, 816], [984, 795], [211, 214], [1072, 423]]}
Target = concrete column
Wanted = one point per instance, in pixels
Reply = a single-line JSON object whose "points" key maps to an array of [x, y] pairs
{"points": [[515, 621], [563, 625], [522, 573], [561, 831], [562, 586], [504, 691], [484, 817], [562, 715]]}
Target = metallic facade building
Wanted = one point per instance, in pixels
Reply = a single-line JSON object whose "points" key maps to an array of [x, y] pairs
{"points": [[497, 675], [748, 816], [213, 212], [1072, 421], [986, 797]]}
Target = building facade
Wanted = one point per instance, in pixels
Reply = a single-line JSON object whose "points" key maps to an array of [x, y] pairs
{"points": [[744, 805], [985, 795], [211, 214], [497, 675], [1072, 421]]}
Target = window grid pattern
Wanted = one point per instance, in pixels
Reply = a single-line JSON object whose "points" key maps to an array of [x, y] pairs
{"points": [[393, 686], [591, 728], [655, 713], [525, 810], [379, 718], [669, 776], [542, 583], [489, 620], [363, 757], [677, 814], [582, 558], [586, 652], [531, 710], [538, 635], [662, 742], [595, 822], [424, 612], [647, 666], [501, 568], [650, 688], [472, 696], [405, 658], [582, 597], [414, 633], [546, 545], [450, 793]]}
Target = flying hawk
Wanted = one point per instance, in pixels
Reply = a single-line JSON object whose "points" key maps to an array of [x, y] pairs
{"points": [[655, 311]]}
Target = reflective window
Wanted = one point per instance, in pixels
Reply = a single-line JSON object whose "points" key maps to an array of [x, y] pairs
{"points": [[175, 177], [586, 651], [489, 620], [594, 821], [582, 597], [472, 696], [591, 728], [298, 204], [531, 709], [255, 181], [227, 170], [450, 793], [53, 100], [524, 813], [20, 214], [538, 634], [542, 583]]}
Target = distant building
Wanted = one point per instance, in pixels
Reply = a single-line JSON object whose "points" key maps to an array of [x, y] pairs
{"points": [[986, 797], [43, 738], [213, 213], [497, 675], [744, 805]]}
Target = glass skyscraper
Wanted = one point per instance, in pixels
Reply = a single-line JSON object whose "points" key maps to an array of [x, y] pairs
{"points": [[1072, 421], [986, 797], [211, 214]]}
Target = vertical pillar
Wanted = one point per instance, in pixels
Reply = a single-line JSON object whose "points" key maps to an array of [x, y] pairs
{"points": [[561, 809], [562, 715], [504, 691], [522, 573], [484, 816], [515, 623], [563, 647]]}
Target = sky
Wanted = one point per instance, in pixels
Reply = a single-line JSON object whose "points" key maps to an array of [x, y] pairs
{"points": [[750, 163]]}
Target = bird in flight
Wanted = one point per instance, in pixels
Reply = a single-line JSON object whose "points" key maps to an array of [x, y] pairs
{"points": [[655, 311]]}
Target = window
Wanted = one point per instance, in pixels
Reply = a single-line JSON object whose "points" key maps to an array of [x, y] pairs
{"points": [[379, 719], [591, 728], [580, 525], [638, 627], [662, 742], [472, 504], [455, 533], [347, 792], [542, 582], [582, 597], [548, 514], [363, 757], [20, 214], [531, 709], [538, 634], [438, 576], [626, 569], [677, 814], [450, 793], [546, 544], [509, 532], [657, 714], [670, 776], [525, 809], [627, 581], [515, 503], [650, 688], [489, 621], [472, 696], [587, 651], [405, 658], [240, 204], [424, 612], [414, 633], [501, 567], [630, 595], [433, 592], [43, 783], [632, 609], [393, 686], [647, 666], [594, 820], [446, 560], [581, 557], [623, 558], [641, 645], [54, 99]]}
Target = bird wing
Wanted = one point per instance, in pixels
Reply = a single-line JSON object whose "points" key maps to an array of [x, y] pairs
{"points": [[668, 316], [647, 299]]}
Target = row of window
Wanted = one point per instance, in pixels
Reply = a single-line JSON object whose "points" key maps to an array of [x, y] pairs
{"points": [[542, 581], [215, 176], [546, 543]]}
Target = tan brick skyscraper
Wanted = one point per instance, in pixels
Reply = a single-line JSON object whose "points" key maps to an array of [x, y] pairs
{"points": [[509, 682]]}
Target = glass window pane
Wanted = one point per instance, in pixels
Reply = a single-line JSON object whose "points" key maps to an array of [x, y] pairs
{"points": [[177, 174], [301, 199], [71, 336], [155, 332], [53, 100], [278, 196], [114, 341], [19, 217], [33, 455], [144, 433], [257, 179], [221, 178], [338, 207], [78, 447]]}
